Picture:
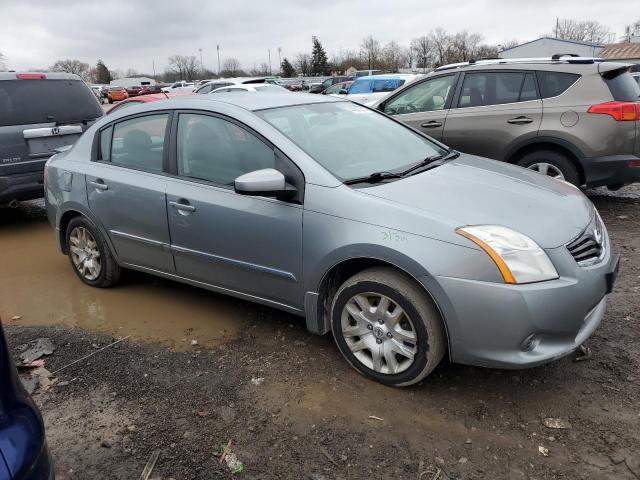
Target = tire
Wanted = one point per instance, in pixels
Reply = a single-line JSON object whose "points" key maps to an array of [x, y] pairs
{"points": [[418, 312], [105, 272], [550, 162]]}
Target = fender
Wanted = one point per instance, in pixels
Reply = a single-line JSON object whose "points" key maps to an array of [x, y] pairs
{"points": [[317, 280], [82, 209], [544, 139]]}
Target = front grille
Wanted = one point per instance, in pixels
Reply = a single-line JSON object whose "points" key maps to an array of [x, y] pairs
{"points": [[589, 247]]}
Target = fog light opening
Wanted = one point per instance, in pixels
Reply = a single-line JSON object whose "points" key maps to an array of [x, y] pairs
{"points": [[530, 343]]}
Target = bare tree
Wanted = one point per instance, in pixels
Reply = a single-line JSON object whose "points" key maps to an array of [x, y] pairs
{"points": [[582, 31], [393, 56], [509, 43], [349, 58], [231, 67], [423, 51], [3, 65], [260, 71], [72, 66], [303, 64], [371, 51], [631, 30], [441, 41], [185, 66], [131, 72]]}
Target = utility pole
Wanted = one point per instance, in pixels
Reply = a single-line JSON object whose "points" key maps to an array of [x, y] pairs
{"points": [[269, 50], [557, 25], [218, 49], [201, 64], [153, 65], [280, 61]]}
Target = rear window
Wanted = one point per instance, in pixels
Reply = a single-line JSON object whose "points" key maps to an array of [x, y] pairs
{"points": [[622, 86], [25, 102], [553, 84]]}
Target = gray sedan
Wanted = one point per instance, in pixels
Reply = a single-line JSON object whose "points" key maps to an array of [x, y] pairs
{"points": [[405, 250]]}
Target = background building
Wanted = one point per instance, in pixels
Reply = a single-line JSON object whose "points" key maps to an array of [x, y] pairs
{"points": [[548, 46], [624, 52], [132, 81]]}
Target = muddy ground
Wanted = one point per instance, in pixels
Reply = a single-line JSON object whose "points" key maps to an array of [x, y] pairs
{"points": [[311, 416]]}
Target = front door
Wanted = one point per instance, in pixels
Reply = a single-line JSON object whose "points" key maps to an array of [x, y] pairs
{"points": [[492, 111], [126, 190], [424, 105], [244, 244]]}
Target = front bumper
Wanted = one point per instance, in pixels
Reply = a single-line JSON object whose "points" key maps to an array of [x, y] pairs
{"points": [[492, 324], [610, 170]]}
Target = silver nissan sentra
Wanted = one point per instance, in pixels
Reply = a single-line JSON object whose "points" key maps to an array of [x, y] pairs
{"points": [[404, 249]]}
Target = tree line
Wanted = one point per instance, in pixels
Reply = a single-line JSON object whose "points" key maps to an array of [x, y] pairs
{"points": [[430, 50]]}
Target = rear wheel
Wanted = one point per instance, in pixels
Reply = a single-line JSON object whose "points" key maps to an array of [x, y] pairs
{"points": [[89, 254], [387, 328], [552, 164]]}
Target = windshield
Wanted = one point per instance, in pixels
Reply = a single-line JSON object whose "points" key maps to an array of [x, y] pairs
{"points": [[350, 140], [270, 88], [40, 101]]}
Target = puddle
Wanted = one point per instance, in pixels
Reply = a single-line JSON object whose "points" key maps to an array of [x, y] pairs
{"points": [[37, 283]]}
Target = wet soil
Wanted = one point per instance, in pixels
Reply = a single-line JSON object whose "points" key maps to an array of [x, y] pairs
{"points": [[290, 404]]}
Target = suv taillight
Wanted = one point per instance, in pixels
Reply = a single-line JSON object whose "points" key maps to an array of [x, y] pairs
{"points": [[30, 76], [620, 111]]}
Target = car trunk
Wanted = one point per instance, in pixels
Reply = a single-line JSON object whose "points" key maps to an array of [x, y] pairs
{"points": [[37, 116]]}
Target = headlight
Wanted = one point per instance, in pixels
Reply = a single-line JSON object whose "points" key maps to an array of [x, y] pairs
{"points": [[519, 259]]}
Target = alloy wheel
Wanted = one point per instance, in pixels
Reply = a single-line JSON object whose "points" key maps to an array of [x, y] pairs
{"points": [[379, 333], [85, 253], [547, 169]]}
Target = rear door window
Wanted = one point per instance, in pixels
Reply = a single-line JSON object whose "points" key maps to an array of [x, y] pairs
{"points": [[139, 142], [553, 84], [491, 88], [622, 85], [24, 102]]}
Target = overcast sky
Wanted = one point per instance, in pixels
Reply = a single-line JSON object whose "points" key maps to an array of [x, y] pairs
{"points": [[133, 34]]}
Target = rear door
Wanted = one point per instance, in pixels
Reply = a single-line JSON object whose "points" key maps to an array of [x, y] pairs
{"points": [[38, 115], [424, 105], [126, 189], [492, 110]]}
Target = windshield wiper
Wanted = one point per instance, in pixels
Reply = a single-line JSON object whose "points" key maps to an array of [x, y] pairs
{"points": [[434, 161], [375, 177]]}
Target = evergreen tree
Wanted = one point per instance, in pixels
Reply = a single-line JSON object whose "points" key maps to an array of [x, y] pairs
{"points": [[103, 75], [319, 65], [286, 69]]}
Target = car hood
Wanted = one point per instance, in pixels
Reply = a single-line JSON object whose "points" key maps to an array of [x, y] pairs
{"points": [[477, 191]]}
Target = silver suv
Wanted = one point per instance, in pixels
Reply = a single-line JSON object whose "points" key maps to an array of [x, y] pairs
{"points": [[39, 114], [571, 118]]}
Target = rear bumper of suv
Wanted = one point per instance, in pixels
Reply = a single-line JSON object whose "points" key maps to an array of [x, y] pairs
{"points": [[21, 187], [611, 170]]}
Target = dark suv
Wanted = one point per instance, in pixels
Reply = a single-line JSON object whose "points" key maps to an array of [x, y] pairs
{"points": [[573, 118], [39, 113]]}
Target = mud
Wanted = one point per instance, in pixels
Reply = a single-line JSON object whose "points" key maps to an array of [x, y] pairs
{"points": [[38, 285]]}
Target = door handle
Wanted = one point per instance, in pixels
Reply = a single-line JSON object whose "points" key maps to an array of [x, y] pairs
{"points": [[431, 124], [182, 205], [520, 120], [99, 184]]}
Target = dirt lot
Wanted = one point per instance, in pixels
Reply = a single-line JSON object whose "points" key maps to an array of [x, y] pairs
{"points": [[311, 416]]}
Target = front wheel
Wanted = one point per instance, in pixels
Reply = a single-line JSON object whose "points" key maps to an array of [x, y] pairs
{"points": [[387, 327], [89, 254]]}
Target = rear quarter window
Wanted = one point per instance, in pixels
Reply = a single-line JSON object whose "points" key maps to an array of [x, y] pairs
{"points": [[622, 86], [553, 84], [24, 102]]}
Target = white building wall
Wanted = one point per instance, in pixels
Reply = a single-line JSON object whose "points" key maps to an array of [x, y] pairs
{"points": [[132, 81], [546, 47]]}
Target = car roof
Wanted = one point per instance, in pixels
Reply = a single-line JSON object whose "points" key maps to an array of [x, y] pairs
{"points": [[12, 75], [387, 76], [262, 101]]}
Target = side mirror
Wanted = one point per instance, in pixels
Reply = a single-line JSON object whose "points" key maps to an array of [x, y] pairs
{"points": [[267, 182], [342, 91]]}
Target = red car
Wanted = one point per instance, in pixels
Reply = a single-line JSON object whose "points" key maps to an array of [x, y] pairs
{"points": [[149, 89], [134, 91], [130, 102]]}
